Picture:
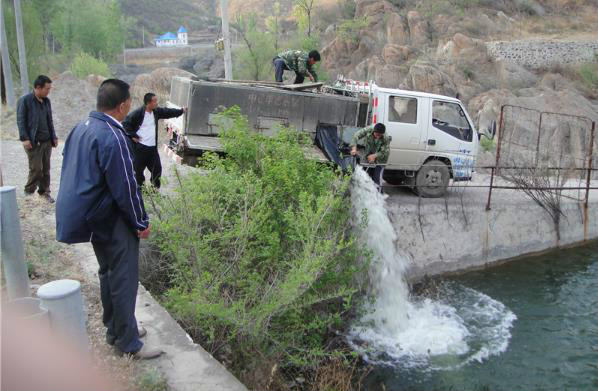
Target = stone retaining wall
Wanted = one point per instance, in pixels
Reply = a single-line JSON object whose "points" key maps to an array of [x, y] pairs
{"points": [[543, 54]]}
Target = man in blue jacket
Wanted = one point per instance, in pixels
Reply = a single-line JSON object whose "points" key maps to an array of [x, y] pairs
{"points": [[99, 201], [36, 132]]}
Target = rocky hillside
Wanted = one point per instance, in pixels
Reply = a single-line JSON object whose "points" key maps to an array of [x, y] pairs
{"points": [[537, 54]]}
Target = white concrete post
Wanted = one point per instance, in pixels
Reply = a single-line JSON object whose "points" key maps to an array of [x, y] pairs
{"points": [[228, 63], [11, 246], [64, 301]]}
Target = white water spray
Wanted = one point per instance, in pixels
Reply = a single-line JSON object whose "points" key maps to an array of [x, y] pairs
{"points": [[411, 332]]}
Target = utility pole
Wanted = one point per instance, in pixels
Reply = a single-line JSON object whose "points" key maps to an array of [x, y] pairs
{"points": [[6, 68], [21, 45], [228, 63], [143, 35]]}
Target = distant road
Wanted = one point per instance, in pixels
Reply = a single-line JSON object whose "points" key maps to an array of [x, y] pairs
{"points": [[176, 48]]}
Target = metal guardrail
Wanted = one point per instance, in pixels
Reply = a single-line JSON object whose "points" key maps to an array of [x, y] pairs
{"points": [[541, 115]]}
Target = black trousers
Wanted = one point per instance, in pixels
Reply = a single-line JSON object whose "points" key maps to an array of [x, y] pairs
{"points": [[147, 157], [280, 67], [39, 167], [119, 279], [375, 173]]}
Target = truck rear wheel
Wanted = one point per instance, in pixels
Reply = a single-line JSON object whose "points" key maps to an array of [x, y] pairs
{"points": [[432, 179]]}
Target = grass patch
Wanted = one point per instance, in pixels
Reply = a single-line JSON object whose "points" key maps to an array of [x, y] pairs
{"points": [[151, 380]]}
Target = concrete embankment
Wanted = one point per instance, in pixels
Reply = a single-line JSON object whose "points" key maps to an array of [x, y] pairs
{"points": [[457, 233]]}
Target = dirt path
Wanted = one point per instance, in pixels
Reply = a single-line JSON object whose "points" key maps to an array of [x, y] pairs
{"points": [[49, 260]]}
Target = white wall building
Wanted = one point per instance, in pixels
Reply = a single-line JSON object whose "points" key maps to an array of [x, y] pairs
{"points": [[170, 39]]}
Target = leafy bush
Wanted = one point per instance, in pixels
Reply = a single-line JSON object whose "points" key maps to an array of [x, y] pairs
{"points": [[151, 380], [85, 64], [589, 75], [258, 251], [254, 61], [487, 144]]}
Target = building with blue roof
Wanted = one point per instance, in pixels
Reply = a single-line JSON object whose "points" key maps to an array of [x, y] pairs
{"points": [[171, 39]]}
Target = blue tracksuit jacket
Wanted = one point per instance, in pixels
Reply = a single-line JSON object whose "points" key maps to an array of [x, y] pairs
{"points": [[97, 183]]}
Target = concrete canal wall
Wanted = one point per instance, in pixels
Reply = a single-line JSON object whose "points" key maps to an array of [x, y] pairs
{"points": [[457, 233]]}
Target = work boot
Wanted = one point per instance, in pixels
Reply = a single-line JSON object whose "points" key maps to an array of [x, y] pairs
{"points": [[146, 353], [111, 339]]}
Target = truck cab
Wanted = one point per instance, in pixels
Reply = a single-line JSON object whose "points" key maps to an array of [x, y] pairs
{"points": [[433, 139]]}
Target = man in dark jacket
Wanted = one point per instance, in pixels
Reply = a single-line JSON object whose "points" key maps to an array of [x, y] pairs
{"points": [[99, 201], [142, 126], [36, 132]]}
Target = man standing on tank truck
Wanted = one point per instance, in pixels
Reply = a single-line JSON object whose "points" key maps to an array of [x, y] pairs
{"points": [[298, 61], [377, 150]]}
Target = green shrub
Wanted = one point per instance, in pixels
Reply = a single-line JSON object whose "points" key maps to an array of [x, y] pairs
{"points": [[85, 64], [487, 144], [258, 251], [151, 380], [589, 75]]}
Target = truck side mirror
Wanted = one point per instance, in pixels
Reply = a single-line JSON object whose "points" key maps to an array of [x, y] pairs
{"points": [[490, 131]]}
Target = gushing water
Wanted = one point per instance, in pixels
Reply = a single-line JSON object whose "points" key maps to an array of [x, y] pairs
{"points": [[439, 334]]}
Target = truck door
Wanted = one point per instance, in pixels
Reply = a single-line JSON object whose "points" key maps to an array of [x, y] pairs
{"points": [[451, 135], [404, 117]]}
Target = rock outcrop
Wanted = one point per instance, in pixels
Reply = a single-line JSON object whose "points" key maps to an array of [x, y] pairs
{"points": [[158, 82]]}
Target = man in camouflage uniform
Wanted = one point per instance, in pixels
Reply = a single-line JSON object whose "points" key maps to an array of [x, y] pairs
{"points": [[377, 149], [298, 61]]}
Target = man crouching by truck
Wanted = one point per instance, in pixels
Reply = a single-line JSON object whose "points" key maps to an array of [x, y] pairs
{"points": [[142, 127], [377, 148]]}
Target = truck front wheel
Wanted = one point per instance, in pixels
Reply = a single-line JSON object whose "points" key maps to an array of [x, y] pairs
{"points": [[432, 179]]}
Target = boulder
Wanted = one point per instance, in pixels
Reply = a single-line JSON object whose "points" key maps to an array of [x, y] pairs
{"points": [[373, 9], [395, 54], [397, 31], [427, 77], [95, 80], [419, 31], [555, 81], [388, 76], [158, 82], [140, 86], [361, 53], [367, 69], [462, 47], [514, 76], [210, 66], [338, 53]]}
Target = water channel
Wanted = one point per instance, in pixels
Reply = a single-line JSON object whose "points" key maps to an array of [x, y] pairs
{"points": [[529, 324], [554, 340]]}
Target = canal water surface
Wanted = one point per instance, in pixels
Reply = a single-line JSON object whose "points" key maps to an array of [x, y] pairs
{"points": [[549, 340]]}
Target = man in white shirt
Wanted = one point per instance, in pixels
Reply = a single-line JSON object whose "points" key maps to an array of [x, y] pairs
{"points": [[142, 126]]}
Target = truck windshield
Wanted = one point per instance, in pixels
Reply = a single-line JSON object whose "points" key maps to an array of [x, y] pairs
{"points": [[450, 118]]}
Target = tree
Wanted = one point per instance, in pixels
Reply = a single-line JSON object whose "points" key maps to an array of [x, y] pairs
{"points": [[254, 61], [34, 45], [96, 27], [303, 11], [273, 24]]}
